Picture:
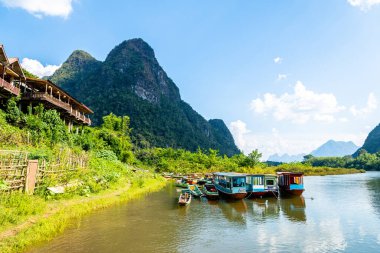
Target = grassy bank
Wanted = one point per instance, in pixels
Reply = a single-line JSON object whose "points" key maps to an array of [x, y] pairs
{"points": [[304, 168], [57, 215], [181, 161]]}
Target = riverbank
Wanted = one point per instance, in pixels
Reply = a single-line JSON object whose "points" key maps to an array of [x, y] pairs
{"points": [[59, 214]]}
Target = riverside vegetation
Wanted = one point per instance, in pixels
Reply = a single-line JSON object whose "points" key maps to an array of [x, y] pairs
{"points": [[116, 170]]}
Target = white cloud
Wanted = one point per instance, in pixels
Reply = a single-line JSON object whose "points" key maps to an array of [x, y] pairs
{"points": [[364, 5], [281, 77], [40, 8], [239, 129], [300, 107], [274, 141], [35, 67], [277, 60], [370, 107]]}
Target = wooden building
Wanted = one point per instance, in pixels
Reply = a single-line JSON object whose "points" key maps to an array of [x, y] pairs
{"points": [[54, 97], [11, 76], [35, 91]]}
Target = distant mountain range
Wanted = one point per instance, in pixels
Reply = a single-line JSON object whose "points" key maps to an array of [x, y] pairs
{"points": [[335, 148], [131, 82], [285, 158], [328, 149]]}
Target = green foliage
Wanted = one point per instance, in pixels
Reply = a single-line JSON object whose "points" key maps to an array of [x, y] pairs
{"points": [[253, 158], [3, 185], [16, 206], [14, 115], [364, 160], [28, 74], [108, 155]]}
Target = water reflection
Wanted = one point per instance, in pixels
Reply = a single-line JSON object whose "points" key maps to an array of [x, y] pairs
{"points": [[342, 214], [294, 208], [264, 209], [373, 186], [234, 211]]}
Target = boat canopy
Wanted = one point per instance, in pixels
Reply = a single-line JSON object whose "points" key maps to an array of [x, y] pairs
{"points": [[230, 174]]}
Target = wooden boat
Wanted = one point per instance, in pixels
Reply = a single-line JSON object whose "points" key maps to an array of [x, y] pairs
{"points": [[210, 191], [260, 185], [181, 183], [194, 190], [271, 186], [191, 181], [202, 182], [184, 198], [290, 183], [231, 185]]}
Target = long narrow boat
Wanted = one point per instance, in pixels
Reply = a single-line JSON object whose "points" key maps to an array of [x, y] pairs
{"points": [[184, 198], [260, 185], [290, 183], [181, 183], [195, 190], [210, 191], [231, 185]]}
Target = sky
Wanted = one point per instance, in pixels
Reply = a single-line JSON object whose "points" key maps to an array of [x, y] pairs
{"points": [[285, 76]]}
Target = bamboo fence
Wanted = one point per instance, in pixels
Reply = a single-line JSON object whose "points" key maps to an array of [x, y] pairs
{"points": [[14, 165]]}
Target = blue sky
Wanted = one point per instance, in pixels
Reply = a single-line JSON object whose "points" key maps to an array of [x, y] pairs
{"points": [[285, 76]]}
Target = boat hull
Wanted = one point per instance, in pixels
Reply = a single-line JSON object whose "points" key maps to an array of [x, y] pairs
{"points": [[240, 195], [181, 185], [296, 192], [212, 196], [256, 194]]}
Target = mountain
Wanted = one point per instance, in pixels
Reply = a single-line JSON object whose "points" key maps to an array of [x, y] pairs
{"points": [[335, 148], [131, 82], [372, 142], [285, 158]]}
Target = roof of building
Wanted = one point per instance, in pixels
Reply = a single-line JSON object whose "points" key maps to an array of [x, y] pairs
{"points": [[290, 173]]}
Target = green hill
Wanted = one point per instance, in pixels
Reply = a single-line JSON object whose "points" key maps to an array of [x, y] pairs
{"points": [[131, 82], [372, 142]]}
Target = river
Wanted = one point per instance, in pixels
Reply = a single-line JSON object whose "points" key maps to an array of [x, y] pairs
{"points": [[335, 214]]}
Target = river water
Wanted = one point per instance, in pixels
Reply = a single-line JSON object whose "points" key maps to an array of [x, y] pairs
{"points": [[335, 214]]}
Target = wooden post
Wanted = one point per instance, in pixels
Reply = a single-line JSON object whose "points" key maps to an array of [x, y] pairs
{"points": [[31, 174]]}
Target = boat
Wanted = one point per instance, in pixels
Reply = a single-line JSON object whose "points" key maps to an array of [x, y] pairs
{"points": [[271, 185], [185, 198], [261, 185], [210, 191], [182, 183], [191, 180], [231, 185], [194, 190], [290, 183], [202, 182]]}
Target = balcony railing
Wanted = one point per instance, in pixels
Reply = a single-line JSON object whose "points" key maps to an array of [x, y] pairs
{"points": [[9, 87], [80, 116], [67, 107], [47, 97]]}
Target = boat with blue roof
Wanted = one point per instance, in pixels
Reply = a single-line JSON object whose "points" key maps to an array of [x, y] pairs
{"points": [[230, 185], [261, 185]]}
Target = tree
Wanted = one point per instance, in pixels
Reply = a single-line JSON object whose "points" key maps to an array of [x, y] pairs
{"points": [[253, 158], [308, 157], [14, 115]]}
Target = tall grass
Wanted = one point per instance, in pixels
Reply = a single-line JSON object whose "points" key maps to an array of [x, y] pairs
{"points": [[15, 207]]}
